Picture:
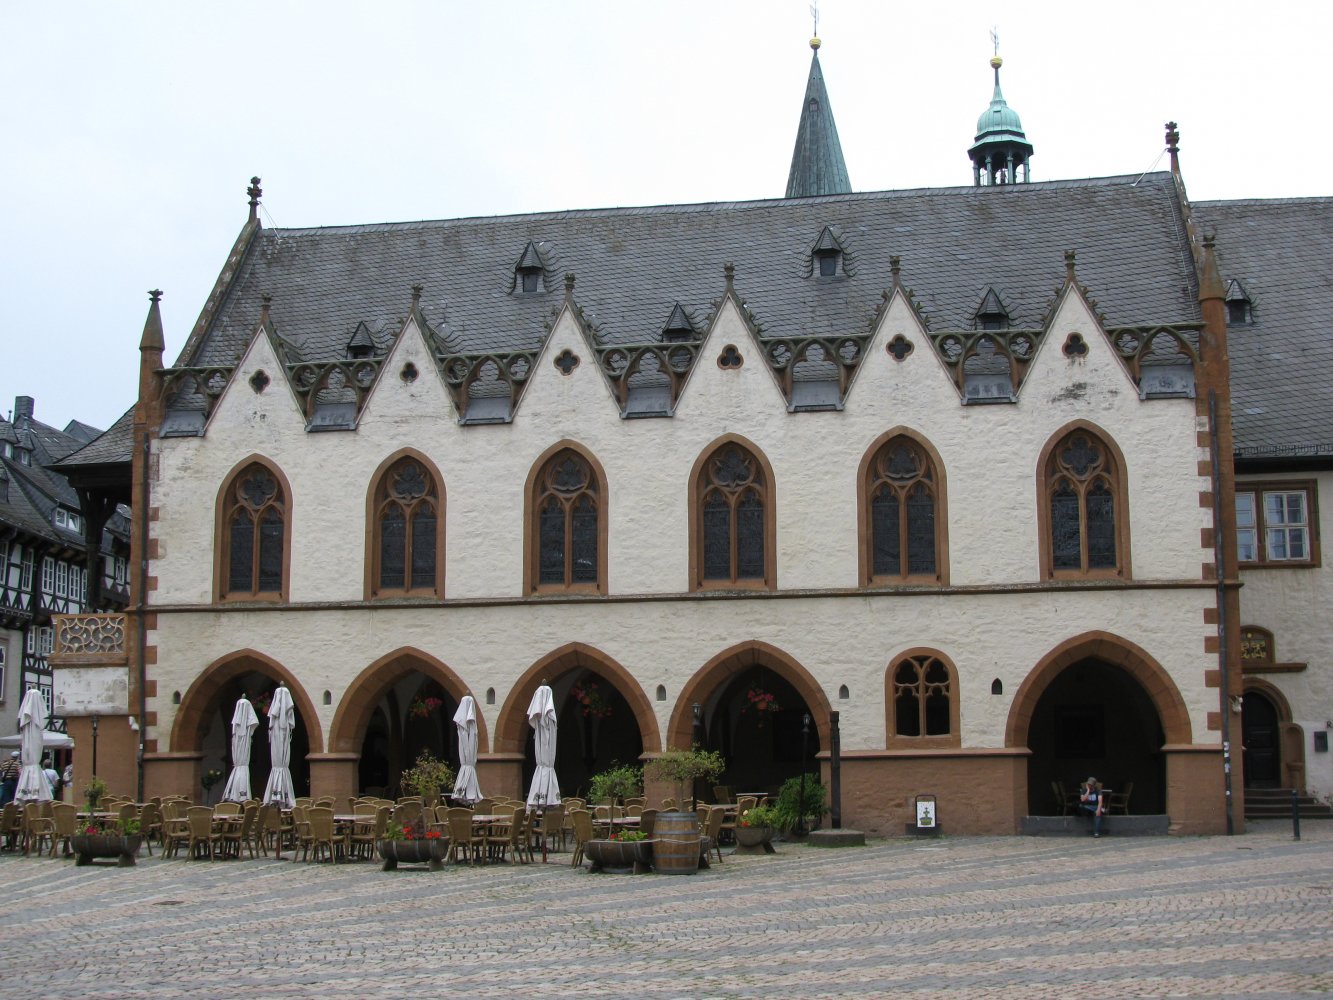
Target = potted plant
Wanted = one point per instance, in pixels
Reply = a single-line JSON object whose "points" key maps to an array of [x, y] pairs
{"points": [[629, 850], [754, 830], [616, 784], [411, 844], [121, 842], [678, 847], [795, 812], [93, 792], [429, 777]]}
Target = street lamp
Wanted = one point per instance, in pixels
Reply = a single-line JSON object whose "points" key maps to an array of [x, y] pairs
{"points": [[805, 754]]}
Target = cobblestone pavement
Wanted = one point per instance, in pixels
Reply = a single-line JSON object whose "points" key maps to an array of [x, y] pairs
{"points": [[987, 917]]}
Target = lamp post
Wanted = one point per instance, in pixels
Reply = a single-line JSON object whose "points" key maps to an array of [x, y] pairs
{"points": [[698, 725], [805, 753], [96, 720]]}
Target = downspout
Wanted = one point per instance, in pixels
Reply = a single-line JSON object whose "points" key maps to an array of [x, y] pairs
{"points": [[142, 606], [1219, 552]]}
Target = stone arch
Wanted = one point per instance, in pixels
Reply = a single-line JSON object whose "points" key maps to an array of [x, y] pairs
{"points": [[369, 686], [1291, 737], [1135, 661], [185, 730], [725, 665], [512, 726]]}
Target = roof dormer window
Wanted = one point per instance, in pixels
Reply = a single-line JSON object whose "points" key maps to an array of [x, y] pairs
{"points": [[1239, 305], [678, 328], [361, 345], [827, 254], [991, 314], [529, 270]]}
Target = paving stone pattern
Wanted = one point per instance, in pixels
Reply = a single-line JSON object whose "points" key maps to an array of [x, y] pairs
{"points": [[979, 917]]}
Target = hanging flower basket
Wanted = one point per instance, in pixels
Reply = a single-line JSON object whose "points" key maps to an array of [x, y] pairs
{"points": [[591, 701], [421, 708], [123, 847]]}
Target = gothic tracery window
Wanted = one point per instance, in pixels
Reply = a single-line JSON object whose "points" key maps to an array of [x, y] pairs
{"points": [[1085, 519], [408, 525], [567, 506], [733, 497], [902, 493], [922, 700], [254, 521]]}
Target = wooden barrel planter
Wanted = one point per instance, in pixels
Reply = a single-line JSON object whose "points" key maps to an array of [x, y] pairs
{"points": [[619, 855], [676, 843], [429, 852], [87, 846]]}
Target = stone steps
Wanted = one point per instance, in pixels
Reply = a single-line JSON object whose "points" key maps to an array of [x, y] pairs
{"points": [[1275, 803]]}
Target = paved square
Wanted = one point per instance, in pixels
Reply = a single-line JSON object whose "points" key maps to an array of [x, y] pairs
{"points": [[985, 917]]}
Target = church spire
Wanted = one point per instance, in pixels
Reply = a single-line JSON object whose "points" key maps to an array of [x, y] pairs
{"points": [[1000, 147], [817, 166]]}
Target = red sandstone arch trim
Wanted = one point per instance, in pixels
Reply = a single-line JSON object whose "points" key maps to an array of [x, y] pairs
{"points": [[1118, 470], [512, 728], [725, 665], [1273, 694], [221, 537], [186, 730], [941, 484], [365, 691], [695, 538], [1135, 661], [373, 527], [531, 528]]}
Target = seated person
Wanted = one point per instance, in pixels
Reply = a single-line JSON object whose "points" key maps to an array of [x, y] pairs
{"points": [[1091, 800]]}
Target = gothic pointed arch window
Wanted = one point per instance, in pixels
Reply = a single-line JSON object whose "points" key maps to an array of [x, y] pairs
{"points": [[921, 700], [253, 517], [567, 525], [732, 521], [1084, 508], [407, 531], [903, 514]]}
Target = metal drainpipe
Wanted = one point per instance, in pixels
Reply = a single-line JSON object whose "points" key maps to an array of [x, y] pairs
{"points": [[1223, 651], [142, 607]]}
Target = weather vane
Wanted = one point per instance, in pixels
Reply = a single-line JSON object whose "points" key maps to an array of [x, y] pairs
{"points": [[814, 13], [995, 39]]}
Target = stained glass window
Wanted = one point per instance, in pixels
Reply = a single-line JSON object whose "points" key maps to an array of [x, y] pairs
{"points": [[568, 536], [255, 519], [733, 517], [408, 549], [1082, 482], [901, 485]]}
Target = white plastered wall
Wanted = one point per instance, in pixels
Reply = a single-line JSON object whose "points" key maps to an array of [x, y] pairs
{"points": [[989, 454]]}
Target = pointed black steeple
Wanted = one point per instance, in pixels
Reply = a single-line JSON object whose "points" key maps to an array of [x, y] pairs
{"points": [[817, 166]]}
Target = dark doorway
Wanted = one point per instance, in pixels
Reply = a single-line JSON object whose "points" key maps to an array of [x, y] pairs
{"points": [[596, 729], [415, 715], [755, 720], [1096, 720], [215, 740], [1260, 738]]}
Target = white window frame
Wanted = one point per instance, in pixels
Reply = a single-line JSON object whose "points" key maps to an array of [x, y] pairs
{"points": [[62, 579], [1275, 520], [48, 575], [47, 635], [25, 582]]}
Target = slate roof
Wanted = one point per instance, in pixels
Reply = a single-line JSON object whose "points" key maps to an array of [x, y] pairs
{"points": [[34, 491], [1281, 252], [114, 446], [817, 166], [633, 265]]}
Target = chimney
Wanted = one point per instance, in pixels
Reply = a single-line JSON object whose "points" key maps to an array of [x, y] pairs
{"points": [[23, 406]]}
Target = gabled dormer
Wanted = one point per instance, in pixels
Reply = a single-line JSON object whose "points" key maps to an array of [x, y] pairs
{"points": [[826, 256], [679, 328], [991, 314], [361, 345], [1239, 304], [530, 271]]}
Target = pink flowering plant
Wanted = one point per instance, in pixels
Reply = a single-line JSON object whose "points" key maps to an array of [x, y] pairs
{"points": [[591, 701]]}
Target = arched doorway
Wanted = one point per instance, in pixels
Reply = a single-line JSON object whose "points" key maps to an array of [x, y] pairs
{"points": [[753, 699], [1261, 738], [399, 706], [603, 716], [203, 722], [1095, 719]]}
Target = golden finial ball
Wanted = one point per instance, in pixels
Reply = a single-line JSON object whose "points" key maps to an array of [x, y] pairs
{"points": [[814, 43], [996, 62]]}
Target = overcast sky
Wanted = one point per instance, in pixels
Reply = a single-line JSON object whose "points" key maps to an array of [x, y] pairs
{"points": [[133, 128]]}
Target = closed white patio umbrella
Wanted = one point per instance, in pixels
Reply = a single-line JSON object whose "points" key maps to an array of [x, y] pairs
{"points": [[466, 788], [281, 722], [32, 786], [544, 790], [243, 725]]}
